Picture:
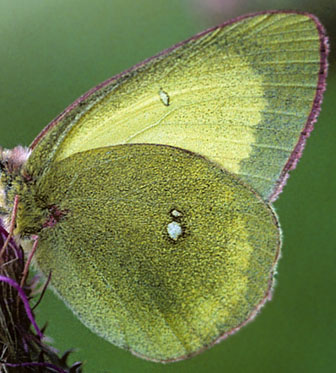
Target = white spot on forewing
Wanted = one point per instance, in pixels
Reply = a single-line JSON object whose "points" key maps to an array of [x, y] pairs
{"points": [[164, 97], [174, 230]]}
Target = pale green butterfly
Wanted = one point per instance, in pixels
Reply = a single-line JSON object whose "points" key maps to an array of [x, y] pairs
{"points": [[167, 249]]}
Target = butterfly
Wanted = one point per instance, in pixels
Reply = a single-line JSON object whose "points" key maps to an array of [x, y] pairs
{"points": [[149, 198]]}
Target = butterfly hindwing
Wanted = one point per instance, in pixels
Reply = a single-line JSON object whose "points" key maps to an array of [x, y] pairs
{"points": [[162, 261]]}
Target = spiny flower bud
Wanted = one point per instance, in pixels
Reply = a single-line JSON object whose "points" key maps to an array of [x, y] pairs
{"points": [[22, 348]]}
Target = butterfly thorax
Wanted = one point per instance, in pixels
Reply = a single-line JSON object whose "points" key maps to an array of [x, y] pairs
{"points": [[15, 181], [11, 162]]}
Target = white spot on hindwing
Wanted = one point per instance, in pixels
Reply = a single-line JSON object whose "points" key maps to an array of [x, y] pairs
{"points": [[174, 228], [176, 213]]}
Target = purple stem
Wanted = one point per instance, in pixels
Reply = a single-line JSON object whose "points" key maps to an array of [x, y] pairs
{"points": [[4, 235], [24, 299], [48, 365]]}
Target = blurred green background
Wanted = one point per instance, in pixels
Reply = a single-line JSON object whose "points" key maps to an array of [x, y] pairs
{"points": [[53, 51]]}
